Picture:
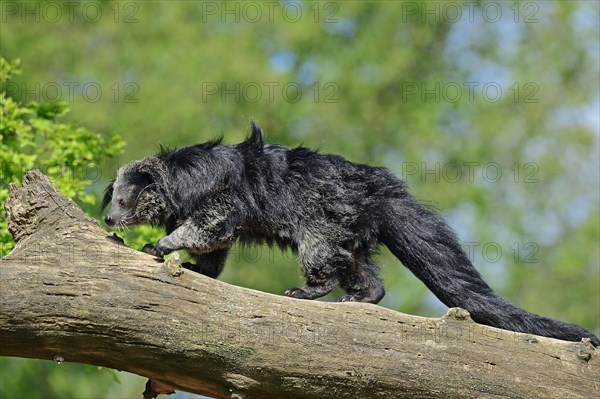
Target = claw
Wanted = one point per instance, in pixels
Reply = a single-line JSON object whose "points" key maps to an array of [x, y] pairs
{"points": [[151, 250], [295, 293], [162, 249]]}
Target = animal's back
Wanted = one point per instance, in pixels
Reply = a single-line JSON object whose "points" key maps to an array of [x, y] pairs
{"points": [[343, 200]]}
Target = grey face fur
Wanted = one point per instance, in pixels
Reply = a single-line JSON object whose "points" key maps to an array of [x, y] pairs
{"points": [[135, 196]]}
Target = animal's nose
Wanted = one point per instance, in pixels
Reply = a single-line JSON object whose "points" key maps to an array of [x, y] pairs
{"points": [[108, 220]]}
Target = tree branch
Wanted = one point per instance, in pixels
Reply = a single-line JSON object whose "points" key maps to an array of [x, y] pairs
{"points": [[70, 290]]}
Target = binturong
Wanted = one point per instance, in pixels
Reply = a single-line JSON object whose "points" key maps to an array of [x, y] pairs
{"points": [[334, 214]]}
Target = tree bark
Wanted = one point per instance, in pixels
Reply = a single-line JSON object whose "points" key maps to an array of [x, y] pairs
{"points": [[70, 291]]}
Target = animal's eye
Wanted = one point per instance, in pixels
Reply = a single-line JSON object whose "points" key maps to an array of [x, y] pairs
{"points": [[121, 202]]}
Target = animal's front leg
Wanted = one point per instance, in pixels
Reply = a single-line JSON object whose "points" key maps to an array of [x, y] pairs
{"points": [[196, 235], [168, 244], [210, 264]]}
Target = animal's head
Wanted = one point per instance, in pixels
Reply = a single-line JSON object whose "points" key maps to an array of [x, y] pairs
{"points": [[176, 182], [136, 195]]}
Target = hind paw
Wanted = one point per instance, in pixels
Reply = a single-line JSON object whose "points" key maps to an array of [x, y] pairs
{"points": [[298, 293], [370, 297], [349, 298]]}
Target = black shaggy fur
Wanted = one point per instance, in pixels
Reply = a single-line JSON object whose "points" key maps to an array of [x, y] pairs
{"points": [[333, 213]]}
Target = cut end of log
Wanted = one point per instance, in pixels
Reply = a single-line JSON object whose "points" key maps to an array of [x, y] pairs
{"points": [[35, 176], [24, 203], [38, 206]]}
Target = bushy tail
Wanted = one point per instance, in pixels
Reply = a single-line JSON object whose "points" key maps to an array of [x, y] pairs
{"points": [[429, 248]]}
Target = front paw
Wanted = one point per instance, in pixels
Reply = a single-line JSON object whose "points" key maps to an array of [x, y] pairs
{"points": [[163, 248], [151, 250], [297, 293]]}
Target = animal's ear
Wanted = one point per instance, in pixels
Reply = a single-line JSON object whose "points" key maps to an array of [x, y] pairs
{"points": [[108, 194], [255, 140], [142, 177]]}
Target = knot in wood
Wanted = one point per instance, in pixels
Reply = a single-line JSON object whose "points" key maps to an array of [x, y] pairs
{"points": [[173, 265], [458, 314]]}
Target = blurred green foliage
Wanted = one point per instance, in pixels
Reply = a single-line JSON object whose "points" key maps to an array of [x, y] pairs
{"points": [[491, 115], [31, 137]]}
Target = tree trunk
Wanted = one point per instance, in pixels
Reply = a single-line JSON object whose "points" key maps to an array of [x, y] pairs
{"points": [[70, 291]]}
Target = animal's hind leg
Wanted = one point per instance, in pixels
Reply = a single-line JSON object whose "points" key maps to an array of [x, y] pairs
{"points": [[320, 266], [361, 281]]}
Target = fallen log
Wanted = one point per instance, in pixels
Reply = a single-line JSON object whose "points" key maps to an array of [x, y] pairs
{"points": [[71, 291]]}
